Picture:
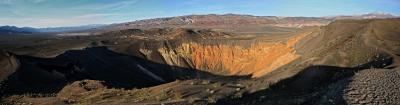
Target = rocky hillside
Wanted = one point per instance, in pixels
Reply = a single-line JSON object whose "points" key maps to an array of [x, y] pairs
{"points": [[339, 64]]}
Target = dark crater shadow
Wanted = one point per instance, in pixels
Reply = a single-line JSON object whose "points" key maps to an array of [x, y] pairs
{"points": [[50, 75], [317, 84]]}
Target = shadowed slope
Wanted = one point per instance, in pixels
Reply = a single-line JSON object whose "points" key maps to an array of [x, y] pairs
{"points": [[48, 75]]}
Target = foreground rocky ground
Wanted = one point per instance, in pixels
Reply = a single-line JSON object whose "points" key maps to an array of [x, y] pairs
{"points": [[374, 86]]}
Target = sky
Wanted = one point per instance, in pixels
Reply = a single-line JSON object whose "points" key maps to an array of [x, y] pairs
{"points": [[58, 13]]}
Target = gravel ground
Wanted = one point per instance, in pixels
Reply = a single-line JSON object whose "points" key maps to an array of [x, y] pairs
{"points": [[374, 87]]}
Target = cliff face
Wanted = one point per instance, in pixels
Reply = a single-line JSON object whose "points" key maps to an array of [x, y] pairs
{"points": [[254, 58]]}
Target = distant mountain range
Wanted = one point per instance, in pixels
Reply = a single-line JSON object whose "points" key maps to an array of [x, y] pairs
{"points": [[29, 30], [69, 29], [14, 29], [201, 21], [235, 20], [363, 16]]}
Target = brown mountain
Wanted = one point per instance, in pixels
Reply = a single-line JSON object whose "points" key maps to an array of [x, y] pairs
{"points": [[236, 20]]}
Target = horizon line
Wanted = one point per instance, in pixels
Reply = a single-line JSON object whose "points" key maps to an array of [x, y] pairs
{"points": [[194, 14]]}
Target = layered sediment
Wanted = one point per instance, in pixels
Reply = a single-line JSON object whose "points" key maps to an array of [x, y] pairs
{"points": [[254, 58]]}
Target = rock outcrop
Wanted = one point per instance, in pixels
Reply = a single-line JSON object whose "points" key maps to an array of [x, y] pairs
{"points": [[8, 65]]}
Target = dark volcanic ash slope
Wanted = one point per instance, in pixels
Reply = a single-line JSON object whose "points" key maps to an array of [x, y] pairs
{"points": [[349, 43], [346, 62]]}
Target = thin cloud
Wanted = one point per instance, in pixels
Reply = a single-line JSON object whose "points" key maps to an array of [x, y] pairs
{"points": [[11, 2], [99, 15], [121, 4], [7, 2], [24, 19], [102, 6], [37, 1]]}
